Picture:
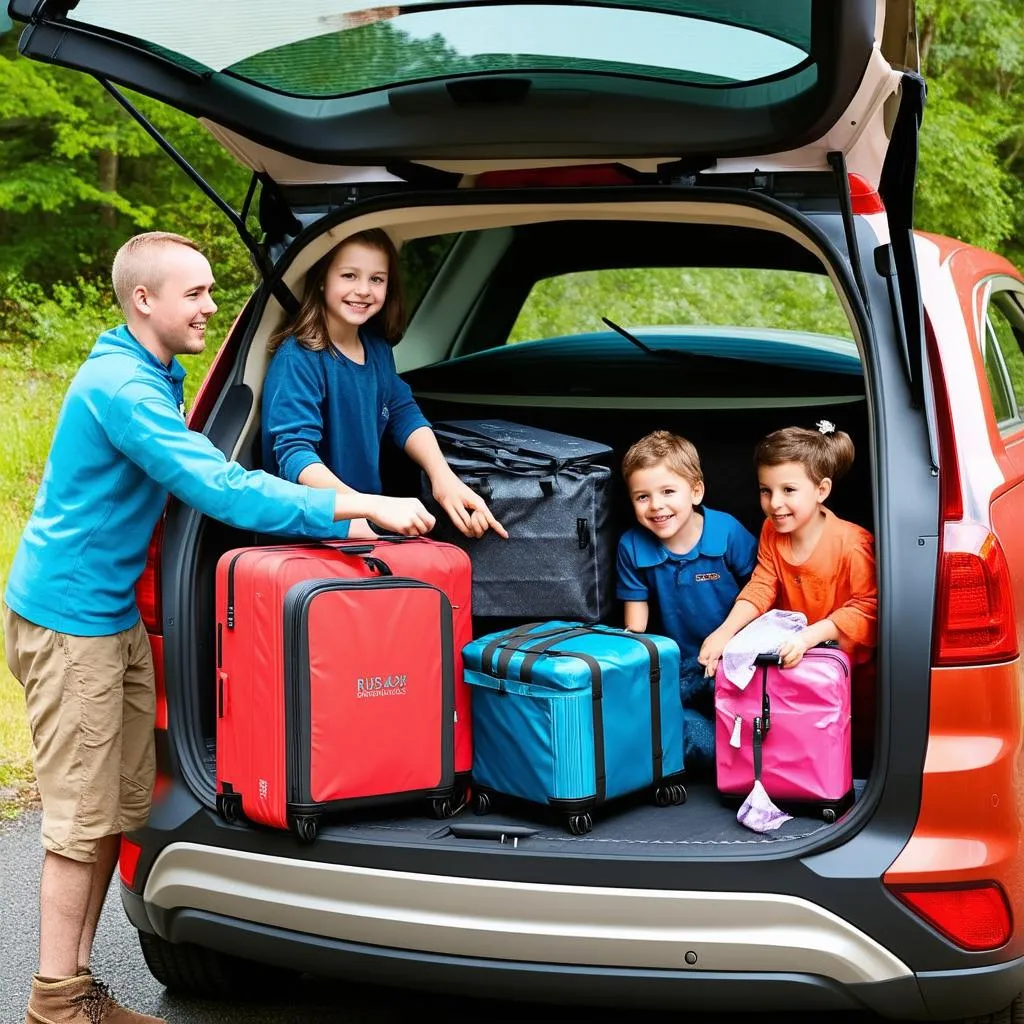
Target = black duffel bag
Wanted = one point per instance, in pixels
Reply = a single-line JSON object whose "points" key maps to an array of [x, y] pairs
{"points": [[553, 495]]}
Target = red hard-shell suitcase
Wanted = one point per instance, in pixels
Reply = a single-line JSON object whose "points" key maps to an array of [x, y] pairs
{"points": [[339, 679]]}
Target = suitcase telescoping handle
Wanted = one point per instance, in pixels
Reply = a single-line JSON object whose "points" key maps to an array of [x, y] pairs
{"points": [[763, 722]]}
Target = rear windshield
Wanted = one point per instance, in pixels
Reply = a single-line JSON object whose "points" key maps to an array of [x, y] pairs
{"points": [[687, 297], [328, 48]]}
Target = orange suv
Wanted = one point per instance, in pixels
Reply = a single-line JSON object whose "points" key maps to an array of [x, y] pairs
{"points": [[710, 158]]}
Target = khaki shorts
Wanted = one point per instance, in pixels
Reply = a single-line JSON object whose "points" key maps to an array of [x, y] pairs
{"points": [[91, 704]]}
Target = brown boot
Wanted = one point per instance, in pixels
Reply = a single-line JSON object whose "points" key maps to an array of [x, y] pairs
{"points": [[79, 1000]]}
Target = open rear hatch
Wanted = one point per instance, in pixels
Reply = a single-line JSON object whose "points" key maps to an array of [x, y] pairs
{"points": [[332, 85]]}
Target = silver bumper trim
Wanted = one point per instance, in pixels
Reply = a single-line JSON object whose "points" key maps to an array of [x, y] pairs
{"points": [[525, 922]]}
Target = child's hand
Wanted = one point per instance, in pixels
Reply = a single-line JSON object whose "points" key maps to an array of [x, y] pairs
{"points": [[467, 510], [711, 652], [793, 650]]}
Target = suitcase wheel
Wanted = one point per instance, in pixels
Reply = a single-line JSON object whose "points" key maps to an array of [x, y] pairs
{"points": [[829, 814], [229, 807], [481, 803], [580, 824], [669, 796], [306, 827], [442, 807]]}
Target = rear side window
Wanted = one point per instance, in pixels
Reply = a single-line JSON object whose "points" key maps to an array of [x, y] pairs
{"points": [[687, 296], [1003, 351]]}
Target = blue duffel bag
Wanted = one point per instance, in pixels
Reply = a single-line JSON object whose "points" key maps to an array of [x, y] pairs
{"points": [[571, 715]]}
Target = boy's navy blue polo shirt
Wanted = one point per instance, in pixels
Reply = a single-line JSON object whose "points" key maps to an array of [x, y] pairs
{"points": [[694, 592]]}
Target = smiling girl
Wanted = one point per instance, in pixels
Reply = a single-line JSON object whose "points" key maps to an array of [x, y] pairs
{"points": [[332, 392], [808, 559]]}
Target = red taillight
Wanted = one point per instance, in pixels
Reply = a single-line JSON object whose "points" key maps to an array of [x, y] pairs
{"points": [[147, 588], [975, 622], [864, 197], [556, 177], [975, 915], [128, 862]]}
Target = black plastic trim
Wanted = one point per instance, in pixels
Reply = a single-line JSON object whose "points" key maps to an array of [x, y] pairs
{"points": [[690, 989]]}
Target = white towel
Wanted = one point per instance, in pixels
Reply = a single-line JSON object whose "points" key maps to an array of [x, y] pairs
{"points": [[765, 635]]}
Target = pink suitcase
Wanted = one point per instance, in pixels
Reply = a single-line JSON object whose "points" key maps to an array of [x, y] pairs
{"points": [[791, 729]]}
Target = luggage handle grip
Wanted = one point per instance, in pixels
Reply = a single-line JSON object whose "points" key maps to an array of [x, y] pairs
{"points": [[768, 658]]}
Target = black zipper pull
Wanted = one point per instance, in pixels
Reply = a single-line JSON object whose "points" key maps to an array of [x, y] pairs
{"points": [[583, 534]]}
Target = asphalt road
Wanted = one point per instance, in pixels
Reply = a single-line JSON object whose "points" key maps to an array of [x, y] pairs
{"points": [[118, 961]]}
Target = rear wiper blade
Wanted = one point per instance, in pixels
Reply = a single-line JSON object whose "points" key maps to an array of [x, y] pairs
{"points": [[635, 340]]}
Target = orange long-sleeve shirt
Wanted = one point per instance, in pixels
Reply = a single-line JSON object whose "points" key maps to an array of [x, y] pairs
{"points": [[836, 582]]}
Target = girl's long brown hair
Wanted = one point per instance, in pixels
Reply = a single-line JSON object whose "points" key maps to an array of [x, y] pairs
{"points": [[309, 325]]}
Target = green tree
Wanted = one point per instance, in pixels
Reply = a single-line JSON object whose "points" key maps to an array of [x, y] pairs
{"points": [[972, 139]]}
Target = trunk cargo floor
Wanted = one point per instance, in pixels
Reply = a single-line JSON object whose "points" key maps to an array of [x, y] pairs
{"points": [[630, 827]]}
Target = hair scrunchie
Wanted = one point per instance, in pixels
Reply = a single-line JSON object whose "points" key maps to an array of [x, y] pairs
{"points": [[826, 427]]}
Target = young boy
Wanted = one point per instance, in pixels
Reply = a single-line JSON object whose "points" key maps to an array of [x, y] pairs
{"points": [[690, 560]]}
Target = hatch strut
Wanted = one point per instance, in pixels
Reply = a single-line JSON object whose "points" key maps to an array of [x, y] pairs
{"points": [[280, 290], [837, 161]]}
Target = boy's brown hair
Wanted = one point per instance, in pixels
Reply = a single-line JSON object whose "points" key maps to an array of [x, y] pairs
{"points": [[139, 262], [662, 446], [825, 452], [309, 325]]}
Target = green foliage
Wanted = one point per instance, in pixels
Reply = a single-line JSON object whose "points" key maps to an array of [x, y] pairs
{"points": [[78, 176], [697, 296], [971, 181]]}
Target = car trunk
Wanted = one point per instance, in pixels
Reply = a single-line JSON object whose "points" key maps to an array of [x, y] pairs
{"points": [[724, 406]]}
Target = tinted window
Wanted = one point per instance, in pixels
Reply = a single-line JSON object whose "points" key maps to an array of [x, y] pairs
{"points": [[329, 49], [1005, 327], [691, 296], [419, 261]]}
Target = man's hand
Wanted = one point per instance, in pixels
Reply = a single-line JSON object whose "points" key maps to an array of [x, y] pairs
{"points": [[406, 516], [466, 509]]}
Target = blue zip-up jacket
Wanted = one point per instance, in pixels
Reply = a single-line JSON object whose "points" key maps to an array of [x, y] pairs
{"points": [[120, 445], [323, 407]]}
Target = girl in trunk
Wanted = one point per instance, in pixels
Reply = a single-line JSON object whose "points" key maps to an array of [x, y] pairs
{"points": [[332, 392], [808, 559]]}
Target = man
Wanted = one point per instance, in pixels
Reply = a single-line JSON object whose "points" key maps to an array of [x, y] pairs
{"points": [[73, 634]]}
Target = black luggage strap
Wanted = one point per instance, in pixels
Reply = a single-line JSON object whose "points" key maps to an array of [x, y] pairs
{"points": [[653, 654], [534, 645], [514, 639], [763, 722]]}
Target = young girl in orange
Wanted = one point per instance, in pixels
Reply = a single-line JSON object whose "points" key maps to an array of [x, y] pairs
{"points": [[808, 560]]}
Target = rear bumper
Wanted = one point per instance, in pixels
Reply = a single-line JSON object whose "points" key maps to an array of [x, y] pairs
{"points": [[717, 951], [928, 997]]}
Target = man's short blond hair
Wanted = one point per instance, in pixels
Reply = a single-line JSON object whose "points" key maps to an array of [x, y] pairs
{"points": [[664, 448], [139, 262]]}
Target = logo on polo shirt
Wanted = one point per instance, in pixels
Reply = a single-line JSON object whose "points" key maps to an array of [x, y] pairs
{"points": [[706, 577]]}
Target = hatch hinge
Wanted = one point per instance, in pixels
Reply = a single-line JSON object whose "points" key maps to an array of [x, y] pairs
{"points": [[685, 173], [259, 258], [837, 161], [896, 187]]}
